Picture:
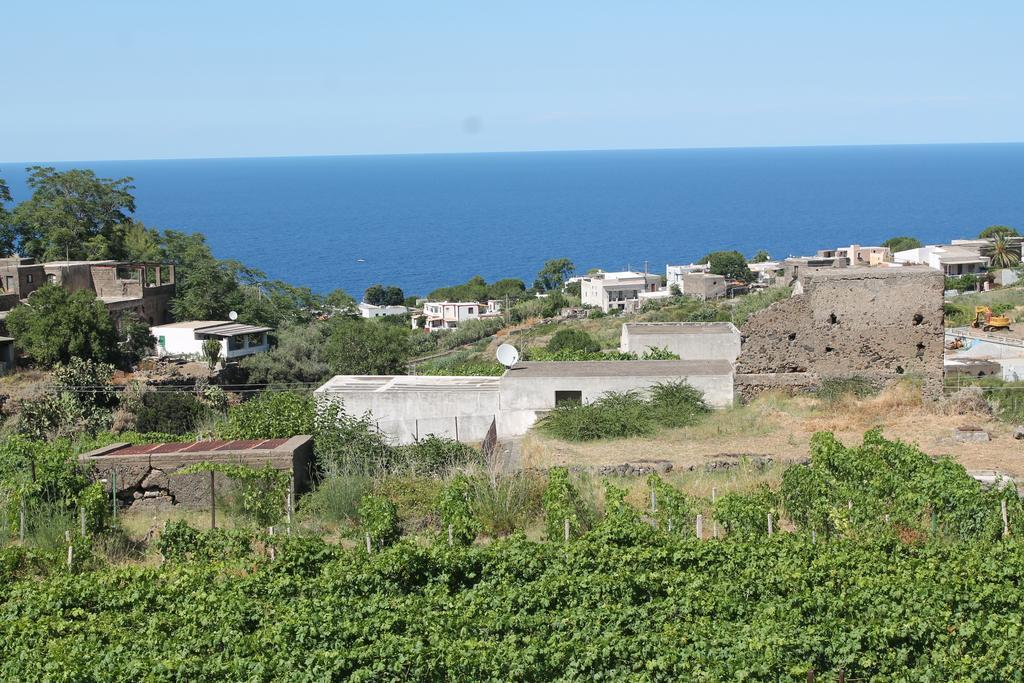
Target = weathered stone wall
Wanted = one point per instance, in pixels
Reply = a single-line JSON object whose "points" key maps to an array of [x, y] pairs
{"points": [[882, 324]]}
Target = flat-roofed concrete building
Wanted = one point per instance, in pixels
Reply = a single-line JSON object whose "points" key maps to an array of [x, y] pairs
{"points": [[689, 341], [186, 338], [407, 407], [146, 475], [617, 291]]}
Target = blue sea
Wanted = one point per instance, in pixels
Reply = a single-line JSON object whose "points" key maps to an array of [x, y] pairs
{"points": [[424, 221]]}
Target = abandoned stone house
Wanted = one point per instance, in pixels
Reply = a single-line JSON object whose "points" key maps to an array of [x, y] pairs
{"points": [[882, 324]]}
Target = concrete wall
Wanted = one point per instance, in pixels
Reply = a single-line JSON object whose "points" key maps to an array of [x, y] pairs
{"points": [[882, 324], [537, 394], [689, 341], [704, 286]]}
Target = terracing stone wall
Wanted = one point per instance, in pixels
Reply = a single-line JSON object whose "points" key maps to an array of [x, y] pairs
{"points": [[882, 324]]}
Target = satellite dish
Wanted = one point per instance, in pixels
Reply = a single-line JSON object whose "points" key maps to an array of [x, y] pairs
{"points": [[233, 315], [508, 355]]}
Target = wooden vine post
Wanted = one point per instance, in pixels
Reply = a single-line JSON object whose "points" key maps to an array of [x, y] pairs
{"points": [[213, 500], [566, 530], [71, 549], [1006, 518], [771, 524], [700, 526]]}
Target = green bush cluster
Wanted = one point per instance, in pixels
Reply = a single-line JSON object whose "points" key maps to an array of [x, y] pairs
{"points": [[621, 415]]}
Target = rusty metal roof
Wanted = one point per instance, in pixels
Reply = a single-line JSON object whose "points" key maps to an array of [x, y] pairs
{"points": [[213, 446]]}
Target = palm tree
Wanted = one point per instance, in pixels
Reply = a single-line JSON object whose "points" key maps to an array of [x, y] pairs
{"points": [[1002, 253]]}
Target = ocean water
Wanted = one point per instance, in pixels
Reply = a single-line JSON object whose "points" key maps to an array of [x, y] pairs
{"points": [[424, 221]]}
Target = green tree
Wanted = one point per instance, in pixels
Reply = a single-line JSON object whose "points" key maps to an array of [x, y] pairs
{"points": [[513, 288], [298, 356], [993, 230], [573, 339], [7, 235], [554, 274], [475, 289], [761, 256], [367, 347], [73, 213], [379, 295], [574, 288], [56, 325], [142, 243], [1001, 253], [137, 340], [902, 243], [271, 415], [731, 264]]}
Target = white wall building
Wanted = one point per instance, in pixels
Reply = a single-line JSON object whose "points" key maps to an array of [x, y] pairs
{"points": [[689, 341], [856, 255], [674, 274], [952, 259], [371, 311], [407, 408], [186, 338], [617, 291], [446, 315]]}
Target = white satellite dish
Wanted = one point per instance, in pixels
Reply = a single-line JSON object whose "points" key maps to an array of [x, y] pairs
{"points": [[508, 355], [233, 315]]}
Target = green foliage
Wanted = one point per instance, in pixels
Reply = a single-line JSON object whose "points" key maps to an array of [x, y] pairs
{"points": [[562, 502], [659, 353], [59, 325], [435, 455], [468, 332], [454, 506], [885, 486], [998, 231], [628, 414], [336, 498], [259, 491], [366, 347], [137, 341], [1001, 252], [170, 412], [675, 511], [179, 542], [731, 264], [962, 283], [746, 514], [81, 401], [271, 415], [677, 404], [747, 305], [211, 351], [298, 357], [554, 274], [380, 520], [761, 256], [572, 339], [379, 295], [462, 363], [72, 214], [902, 243]]}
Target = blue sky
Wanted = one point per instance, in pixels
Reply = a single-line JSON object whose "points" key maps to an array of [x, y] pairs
{"points": [[133, 80]]}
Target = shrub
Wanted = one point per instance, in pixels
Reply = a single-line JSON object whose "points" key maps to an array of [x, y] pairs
{"points": [[180, 542], [508, 502], [572, 339], [258, 493], [379, 520], [614, 415], [436, 455], [271, 415], [675, 510], [458, 523], [677, 404], [169, 412], [746, 514], [336, 498]]}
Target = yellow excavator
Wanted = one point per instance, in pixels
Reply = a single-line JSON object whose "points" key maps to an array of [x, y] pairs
{"points": [[984, 319]]}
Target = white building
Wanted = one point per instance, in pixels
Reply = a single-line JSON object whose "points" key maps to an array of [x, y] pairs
{"points": [[407, 408], [446, 315], [689, 341], [674, 274], [371, 311], [617, 291], [186, 338], [952, 259], [856, 255], [765, 271]]}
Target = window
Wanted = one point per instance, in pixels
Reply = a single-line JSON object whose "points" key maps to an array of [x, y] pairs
{"points": [[51, 278], [235, 343], [564, 398], [471, 310], [29, 278]]}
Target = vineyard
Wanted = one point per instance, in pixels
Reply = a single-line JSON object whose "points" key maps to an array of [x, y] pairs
{"points": [[883, 563]]}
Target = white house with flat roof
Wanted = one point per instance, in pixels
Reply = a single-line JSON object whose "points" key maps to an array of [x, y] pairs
{"points": [[407, 408], [617, 290], [446, 315], [689, 341], [186, 338], [674, 274], [372, 311], [952, 259]]}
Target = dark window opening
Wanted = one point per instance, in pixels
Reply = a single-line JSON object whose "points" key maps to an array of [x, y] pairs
{"points": [[920, 349], [829, 349], [792, 336], [832, 319], [899, 369], [565, 398], [918, 318]]}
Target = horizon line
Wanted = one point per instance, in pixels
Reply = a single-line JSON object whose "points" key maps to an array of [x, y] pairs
{"points": [[515, 151]]}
